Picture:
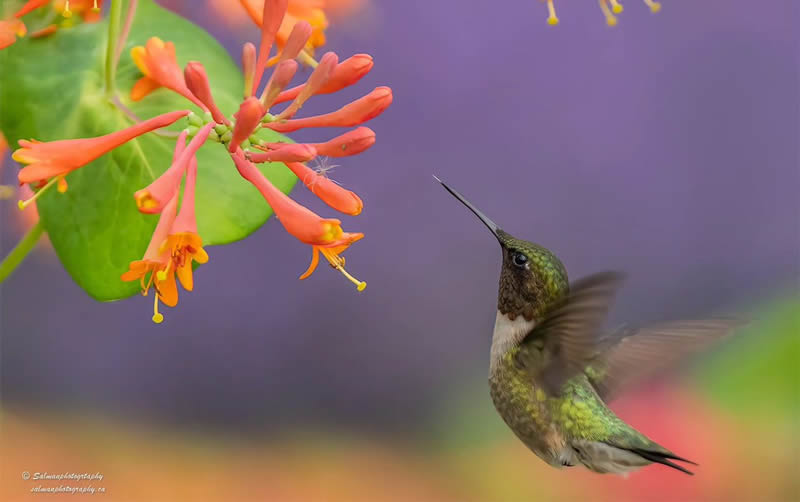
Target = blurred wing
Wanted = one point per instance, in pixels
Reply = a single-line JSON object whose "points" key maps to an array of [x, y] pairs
{"points": [[633, 354], [571, 332]]}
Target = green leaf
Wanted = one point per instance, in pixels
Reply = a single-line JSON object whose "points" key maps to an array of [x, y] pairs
{"points": [[52, 89]]}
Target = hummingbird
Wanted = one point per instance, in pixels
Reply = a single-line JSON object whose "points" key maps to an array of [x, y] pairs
{"points": [[553, 368]]}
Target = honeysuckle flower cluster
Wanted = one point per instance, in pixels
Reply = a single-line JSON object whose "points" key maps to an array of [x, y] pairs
{"points": [[608, 7], [11, 29], [175, 243]]}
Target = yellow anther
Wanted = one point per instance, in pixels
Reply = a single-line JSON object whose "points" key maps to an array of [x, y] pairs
{"points": [[161, 275], [616, 6], [610, 19], [158, 317], [62, 185], [337, 262], [360, 285], [145, 201], [25, 203], [95, 7], [654, 6], [552, 20], [67, 12]]}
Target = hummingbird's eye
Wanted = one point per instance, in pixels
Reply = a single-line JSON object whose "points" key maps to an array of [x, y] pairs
{"points": [[519, 259]]}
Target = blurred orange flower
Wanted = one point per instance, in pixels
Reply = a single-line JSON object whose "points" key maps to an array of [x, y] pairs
{"points": [[315, 12], [310, 11], [89, 10], [10, 29]]}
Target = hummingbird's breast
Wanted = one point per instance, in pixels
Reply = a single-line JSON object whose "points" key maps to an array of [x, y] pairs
{"points": [[524, 405]]}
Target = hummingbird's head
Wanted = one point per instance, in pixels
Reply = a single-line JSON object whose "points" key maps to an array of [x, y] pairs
{"points": [[532, 277]]}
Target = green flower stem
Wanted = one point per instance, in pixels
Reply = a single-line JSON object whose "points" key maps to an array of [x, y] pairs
{"points": [[114, 21], [20, 251], [126, 30]]}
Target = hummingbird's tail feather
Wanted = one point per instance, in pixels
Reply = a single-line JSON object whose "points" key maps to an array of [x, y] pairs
{"points": [[664, 459]]}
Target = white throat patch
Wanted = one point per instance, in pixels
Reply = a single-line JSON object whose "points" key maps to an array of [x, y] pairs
{"points": [[507, 334]]}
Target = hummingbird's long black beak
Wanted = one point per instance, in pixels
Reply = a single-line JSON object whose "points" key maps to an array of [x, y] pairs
{"points": [[492, 226]]}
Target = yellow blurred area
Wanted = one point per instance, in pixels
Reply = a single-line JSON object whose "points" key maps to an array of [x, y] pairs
{"points": [[146, 464], [739, 461]]}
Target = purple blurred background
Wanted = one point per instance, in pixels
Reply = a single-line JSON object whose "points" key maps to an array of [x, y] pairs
{"points": [[666, 147]]}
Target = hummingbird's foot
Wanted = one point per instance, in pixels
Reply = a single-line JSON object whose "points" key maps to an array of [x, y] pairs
{"points": [[611, 19], [654, 6], [616, 6], [552, 20]]}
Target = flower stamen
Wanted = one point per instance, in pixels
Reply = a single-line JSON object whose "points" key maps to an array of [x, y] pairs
{"points": [[654, 6], [66, 13], [337, 262], [551, 18], [25, 203], [611, 20], [158, 317], [616, 6]]}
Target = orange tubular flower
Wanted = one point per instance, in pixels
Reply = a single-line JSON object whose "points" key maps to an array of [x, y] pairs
{"points": [[247, 120], [297, 10], [55, 159], [197, 82], [329, 192], [319, 77], [10, 30], [152, 269], [278, 81], [283, 152], [183, 243], [30, 6], [248, 67], [157, 61], [324, 234], [46, 31], [349, 143], [346, 73], [359, 111], [153, 198], [296, 42], [273, 11]]}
